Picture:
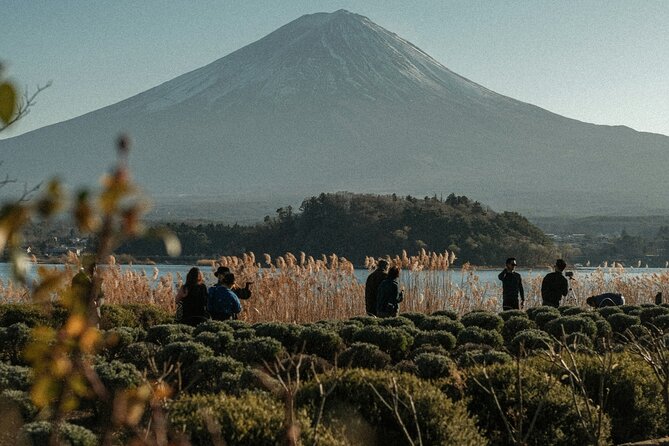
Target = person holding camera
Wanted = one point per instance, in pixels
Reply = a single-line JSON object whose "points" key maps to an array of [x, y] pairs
{"points": [[241, 293], [554, 286], [512, 286]]}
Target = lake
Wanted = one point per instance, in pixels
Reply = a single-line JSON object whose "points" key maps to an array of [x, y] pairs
{"points": [[457, 276]]}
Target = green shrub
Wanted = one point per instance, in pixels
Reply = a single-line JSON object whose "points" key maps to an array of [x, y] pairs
{"points": [[112, 316], [566, 325], [414, 317], [214, 374], [139, 354], [243, 333], [13, 340], [252, 419], [429, 348], [605, 312], [15, 377], [320, 341], [406, 366], [433, 366], [348, 330], [451, 314], [441, 338], [398, 321], [633, 310], [366, 320], [116, 339], [29, 314], [20, 400], [354, 406], [213, 327], [391, 340], [219, 342], [649, 314], [236, 324], [621, 321], [167, 333], [149, 315], [514, 325], [39, 432], [542, 315], [559, 417], [530, 340], [631, 400], [363, 355], [184, 353], [286, 334], [117, 375], [534, 311], [508, 314], [257, 350], [483, 319], [604, 329], [662, 322], [472, 358], [441, 323], [308, 366], [570, 310], [477, 335]]}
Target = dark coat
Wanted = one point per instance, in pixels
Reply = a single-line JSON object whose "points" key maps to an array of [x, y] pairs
{"points": [[553, 288], [388, 298], [371, 288], [194, 305]]}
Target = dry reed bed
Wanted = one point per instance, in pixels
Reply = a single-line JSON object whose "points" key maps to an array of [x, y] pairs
{"points": [[305, 289]]}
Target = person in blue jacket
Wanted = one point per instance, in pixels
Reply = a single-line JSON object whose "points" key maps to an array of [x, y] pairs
{"points": [[389, 296], [222, 302]]}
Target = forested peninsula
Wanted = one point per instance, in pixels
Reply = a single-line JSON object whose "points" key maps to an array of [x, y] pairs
{"points": [[358, 225]]}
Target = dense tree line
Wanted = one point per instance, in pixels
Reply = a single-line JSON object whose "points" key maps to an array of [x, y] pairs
{"points": [[356, 225]]}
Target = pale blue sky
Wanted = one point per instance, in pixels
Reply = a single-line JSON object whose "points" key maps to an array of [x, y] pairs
{"points": [[605, 61]]}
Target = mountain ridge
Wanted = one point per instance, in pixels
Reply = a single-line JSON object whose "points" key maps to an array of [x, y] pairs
{"points": [[332, 101]]}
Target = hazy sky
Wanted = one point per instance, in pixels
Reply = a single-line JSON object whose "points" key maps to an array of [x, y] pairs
{"points": [[605, 61]]}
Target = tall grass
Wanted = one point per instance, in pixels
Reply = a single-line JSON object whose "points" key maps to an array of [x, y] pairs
{"points": [[301, 288]]}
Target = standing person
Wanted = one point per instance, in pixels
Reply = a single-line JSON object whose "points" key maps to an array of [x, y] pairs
{"points": [[554, 286], [223, 303], [242, 293], [389, 296], [372, 286], [512, 286], [192, 298]]}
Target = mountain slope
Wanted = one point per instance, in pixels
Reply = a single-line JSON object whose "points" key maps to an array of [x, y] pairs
{"points": [[335, 102]]}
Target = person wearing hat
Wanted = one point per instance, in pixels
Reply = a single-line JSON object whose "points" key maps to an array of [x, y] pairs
{"points": [[242, 293], [554, 286], [372, 286], [512, 286], [222, 302]]}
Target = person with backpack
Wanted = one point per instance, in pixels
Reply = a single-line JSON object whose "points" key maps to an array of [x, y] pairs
{"points": [[222, 303]]}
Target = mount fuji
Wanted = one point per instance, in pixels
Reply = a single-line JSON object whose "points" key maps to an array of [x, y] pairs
{"points": [[332, 101]]}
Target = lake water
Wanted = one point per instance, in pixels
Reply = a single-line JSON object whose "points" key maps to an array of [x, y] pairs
{"points": [[457, 276]]}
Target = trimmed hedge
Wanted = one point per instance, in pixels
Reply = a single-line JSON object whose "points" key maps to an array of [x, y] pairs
{"points": [[355, 407], [252, 419], [257, 350], [515, 325], [320, 341], [441, 323], [287, 334], [568, 325], [39, 433], [558, 421], [530, 340], [213, 375], [482, 319], [477, 335], [393, 341], [364, 355], [15, 377]]}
